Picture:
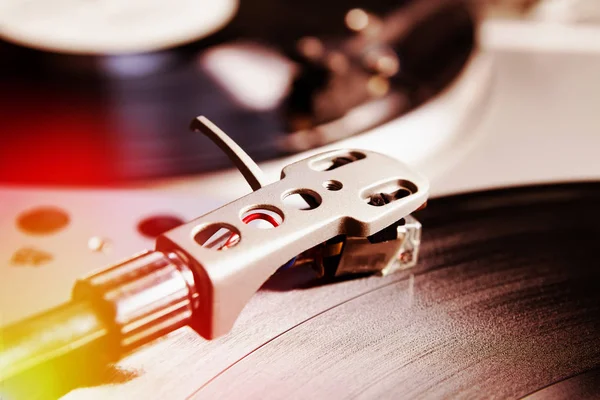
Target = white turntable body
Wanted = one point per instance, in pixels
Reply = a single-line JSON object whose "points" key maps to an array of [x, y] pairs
{"points": [[522, 112]]}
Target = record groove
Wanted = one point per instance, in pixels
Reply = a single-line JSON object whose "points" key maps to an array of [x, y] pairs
{"points": [[509, 308]]}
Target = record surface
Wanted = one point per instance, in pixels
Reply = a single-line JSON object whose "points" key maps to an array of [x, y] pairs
{"points": [[505, 303], [510, 303]]}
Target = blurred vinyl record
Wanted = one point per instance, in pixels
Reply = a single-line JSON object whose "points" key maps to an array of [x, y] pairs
{"points": [[279, 78], [503, 304]]}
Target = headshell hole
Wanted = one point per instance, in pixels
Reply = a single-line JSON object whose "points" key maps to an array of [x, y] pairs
{"points": [[333, 185], [262, 217], [217, 236], [301, 199], [335, 160], [387, 192]]}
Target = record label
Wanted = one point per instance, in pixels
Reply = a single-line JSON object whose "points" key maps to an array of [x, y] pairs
{"points": [[110, 26]]}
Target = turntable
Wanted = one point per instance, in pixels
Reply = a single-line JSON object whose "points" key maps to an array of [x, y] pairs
{"points": [[97, 161]]}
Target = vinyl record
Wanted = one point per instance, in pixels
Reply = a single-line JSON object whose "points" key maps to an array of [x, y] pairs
{"points": [[504, 303], [93, 119]]}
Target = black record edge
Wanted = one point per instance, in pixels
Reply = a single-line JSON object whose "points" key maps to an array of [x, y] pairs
{"points": [[506, 197]]}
